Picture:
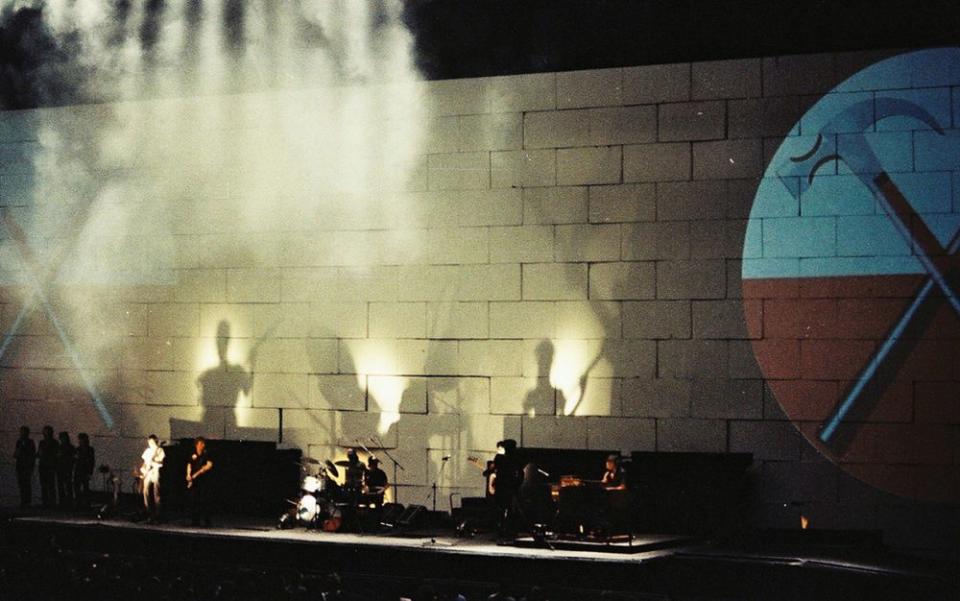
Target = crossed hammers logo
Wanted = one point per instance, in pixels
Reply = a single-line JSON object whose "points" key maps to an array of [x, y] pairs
{"points": [[940, 263]]}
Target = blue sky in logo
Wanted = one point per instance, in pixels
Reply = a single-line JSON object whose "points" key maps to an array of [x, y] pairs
{"points": [[818, 211]]}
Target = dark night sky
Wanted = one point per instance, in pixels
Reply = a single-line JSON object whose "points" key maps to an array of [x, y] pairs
{"points": [[470, 38]]}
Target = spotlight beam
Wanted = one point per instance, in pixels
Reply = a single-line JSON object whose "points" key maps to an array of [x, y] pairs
{"points": [[27, 256]]}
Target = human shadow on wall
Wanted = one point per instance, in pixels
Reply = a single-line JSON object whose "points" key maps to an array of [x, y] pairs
{"points": [[223, 387], [542, 399]]}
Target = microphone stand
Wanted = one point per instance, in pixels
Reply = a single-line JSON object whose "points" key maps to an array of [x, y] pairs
{"points": [[443, 465], [396, 464]]}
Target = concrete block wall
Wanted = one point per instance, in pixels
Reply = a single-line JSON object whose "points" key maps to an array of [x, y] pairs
{"points": [[569, 277]]}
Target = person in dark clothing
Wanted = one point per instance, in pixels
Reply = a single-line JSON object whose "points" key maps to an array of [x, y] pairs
{"points": [[507, 475], [535, 499], [26, 458], [83, 470], [66, 457], [199, 482], [47, 453], [375, 480], [614, 477]]}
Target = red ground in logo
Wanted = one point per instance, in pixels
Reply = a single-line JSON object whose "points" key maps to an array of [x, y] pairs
{"points": [[812, 338]]}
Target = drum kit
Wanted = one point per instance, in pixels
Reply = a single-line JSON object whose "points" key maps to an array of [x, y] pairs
{"points": [[320, 504]]}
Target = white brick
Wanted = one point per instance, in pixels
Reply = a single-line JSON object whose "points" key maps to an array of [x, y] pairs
{"points": [[72, 416], [201, 285], [469, 396], [253, 285], [489, 207], [425, 283], [533, 92], [384, 392], [522, 396], [363, 283], [488, 282], [244, 423], [456, 246], [285, 355], [174, 320], [522, 320], [286, 320], [338, 320], [590, 127], [555, 205], [521, 168], [577, 89], [622, 281], [581, 320], [239, 318], [491, 357], [621, 434], [663, 161], [172, 422], [176, 388], [455, 96], [398, 320], [308, 284], [500, 131], [323, 355], [589, 165], [376, 356], [555, 281], [281, 390], [482, 432], [427, 357], [457, 320], [587, 242], [619, 203], [459, 171], [336, 392], [554, 432], [521, 244], [656, 83]]}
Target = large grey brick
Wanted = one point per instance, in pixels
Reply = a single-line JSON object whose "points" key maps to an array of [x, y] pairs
{"points": [[692, 121], [728, 159], [555, 205], [656, 240], [487, 207], [498, 131], [721, 239], [720, 319], [656, 398], [587, 242], [600, 165], [798, 74], [762, 117], [624, 202], [690, 200], [459, 171], [516, 168], [743, 362], [590, 127], [661, 162], [621, 434], [726, 79], [656, 319], [767, 440], [455, 96], [523, 320], [521, 244], [692, 359], [691, 435], [622, 281], [555, 281], [651, 84], [740, 196], [518, 93], [599, 87], [632, 358], [741, 399], [705, 278]]}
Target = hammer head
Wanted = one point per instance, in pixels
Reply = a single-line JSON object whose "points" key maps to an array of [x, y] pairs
{"points": [[853, 122]]}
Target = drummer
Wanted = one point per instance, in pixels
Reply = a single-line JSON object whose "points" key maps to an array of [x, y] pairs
{"points": [[375, 480], [354, 472]]}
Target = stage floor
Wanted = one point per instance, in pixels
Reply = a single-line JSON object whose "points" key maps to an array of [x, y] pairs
{"points": [[643, 547]]}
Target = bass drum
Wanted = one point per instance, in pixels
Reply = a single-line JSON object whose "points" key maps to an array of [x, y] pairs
{"points": [[331, 519], [308, 510]]}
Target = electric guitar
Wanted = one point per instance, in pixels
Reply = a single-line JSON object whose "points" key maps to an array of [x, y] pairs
{"points": [[491, 475]]}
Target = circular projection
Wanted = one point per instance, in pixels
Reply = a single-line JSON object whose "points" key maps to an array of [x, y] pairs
{"points": [[851, 275]]}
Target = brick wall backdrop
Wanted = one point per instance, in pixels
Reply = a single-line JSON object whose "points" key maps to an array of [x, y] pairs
{"points": [[566, 273]]}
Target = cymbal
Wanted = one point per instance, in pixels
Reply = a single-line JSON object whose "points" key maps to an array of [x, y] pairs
{"points": [[310, 460], [342, 463], [332, 468]]}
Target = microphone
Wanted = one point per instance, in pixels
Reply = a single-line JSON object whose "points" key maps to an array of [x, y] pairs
{"points": [[446, 458], [543, 473]]}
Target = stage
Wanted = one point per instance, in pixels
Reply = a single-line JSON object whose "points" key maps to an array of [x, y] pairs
{"points": [[659, 566]]}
